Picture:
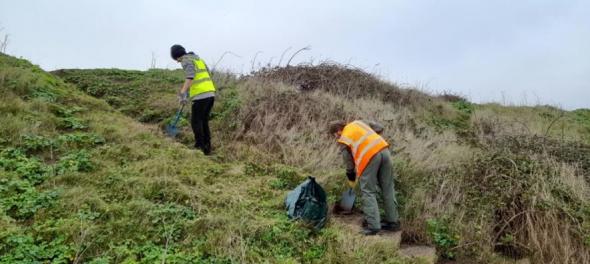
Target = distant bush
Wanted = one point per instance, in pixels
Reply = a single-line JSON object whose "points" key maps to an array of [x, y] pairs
{"points": [[30, 169], [77, 161], [449, 96], [443, 237], [80, 140], [37, 143], [342, 80], [21, 200], [19, 248]]}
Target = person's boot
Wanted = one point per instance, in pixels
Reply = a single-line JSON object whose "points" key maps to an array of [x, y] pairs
{"points": [[369, 231], [207, 149], [198, 146], [365, 224], [391, 226]]}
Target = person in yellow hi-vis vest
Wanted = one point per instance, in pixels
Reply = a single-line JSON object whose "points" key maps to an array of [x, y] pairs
{"points": [[200, 90], [368, 162]]}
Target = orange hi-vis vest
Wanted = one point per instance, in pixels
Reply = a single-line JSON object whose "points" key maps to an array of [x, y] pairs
{"points": [[363, 142]]}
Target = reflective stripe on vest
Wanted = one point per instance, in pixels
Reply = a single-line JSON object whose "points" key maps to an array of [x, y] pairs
{"points": [[363, 142], [202, 82]]}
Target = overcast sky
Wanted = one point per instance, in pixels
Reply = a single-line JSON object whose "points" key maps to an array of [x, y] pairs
{"points": [[518, 52]]}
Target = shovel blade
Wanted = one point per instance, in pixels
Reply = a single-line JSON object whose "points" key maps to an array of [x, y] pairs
{"points": [[171, 131], [347, 200]]}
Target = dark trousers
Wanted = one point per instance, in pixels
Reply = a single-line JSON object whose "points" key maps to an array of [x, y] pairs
{"points": [[200, 123]]}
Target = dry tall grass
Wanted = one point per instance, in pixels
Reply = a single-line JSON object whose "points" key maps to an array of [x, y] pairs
{"points": [[506, 177], [482, 182]]}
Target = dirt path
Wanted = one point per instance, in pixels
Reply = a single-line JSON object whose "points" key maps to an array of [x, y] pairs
{"points": [[353, 222]]}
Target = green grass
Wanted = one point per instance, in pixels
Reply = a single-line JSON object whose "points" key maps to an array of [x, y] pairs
{"points": [[83, 182], [142, 95], [582, 116], [455, 159], [87, 174]]}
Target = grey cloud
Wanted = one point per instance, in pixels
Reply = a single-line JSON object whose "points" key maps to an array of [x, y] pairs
{"points": [[488, 50]]}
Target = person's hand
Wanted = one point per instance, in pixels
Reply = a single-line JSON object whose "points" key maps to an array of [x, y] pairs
{"points": [[183, 98], [351, 184], [351, 178]]}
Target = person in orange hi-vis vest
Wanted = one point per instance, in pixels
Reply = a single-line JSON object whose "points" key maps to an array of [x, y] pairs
{"points": [[368, 162]]}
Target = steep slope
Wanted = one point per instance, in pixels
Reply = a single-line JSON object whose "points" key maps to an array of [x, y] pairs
{"points": [[476, 180], [484, 183], [82, 182]]}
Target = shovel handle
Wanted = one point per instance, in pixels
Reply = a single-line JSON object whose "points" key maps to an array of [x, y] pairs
{"points": [[178, 115]]}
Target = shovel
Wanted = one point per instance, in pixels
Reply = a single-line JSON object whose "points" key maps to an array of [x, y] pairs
{"points": [[348, 197], [171, 129]]}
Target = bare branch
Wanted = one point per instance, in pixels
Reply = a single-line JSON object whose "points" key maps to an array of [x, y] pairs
{"points": [[296, 52], [270, 62], [153, 62], [553, 122], [254, 60], [4, 42], [281, 59], [221, 58]]}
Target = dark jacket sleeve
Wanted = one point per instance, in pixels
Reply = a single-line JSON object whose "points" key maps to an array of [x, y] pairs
{"points": [[348, 162]]}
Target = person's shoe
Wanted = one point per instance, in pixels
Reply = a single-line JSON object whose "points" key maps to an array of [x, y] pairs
{"points": [[207, 150], [391, 226], [369, 232]]}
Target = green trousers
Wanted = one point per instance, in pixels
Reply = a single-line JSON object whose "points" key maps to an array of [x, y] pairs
{"points": [[378, 175]]}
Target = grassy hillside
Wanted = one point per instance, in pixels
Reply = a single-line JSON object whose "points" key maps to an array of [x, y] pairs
{"points": [[84, 180], [477, 181]]}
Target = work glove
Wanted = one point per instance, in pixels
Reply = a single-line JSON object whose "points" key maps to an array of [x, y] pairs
{"points": [[183, 98], [351, 178], [351, 184]]}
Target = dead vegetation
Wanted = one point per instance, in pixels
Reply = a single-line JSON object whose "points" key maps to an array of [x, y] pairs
{"points": [[498, 189], [481, 182], [342, 80]]}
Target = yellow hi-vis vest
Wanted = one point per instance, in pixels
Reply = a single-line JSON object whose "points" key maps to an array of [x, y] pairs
{"points": [[202, 82], [363, 142]]}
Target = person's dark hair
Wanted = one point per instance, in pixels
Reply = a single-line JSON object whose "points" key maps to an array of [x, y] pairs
{"points": [[336, 126], [177, 51]]}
